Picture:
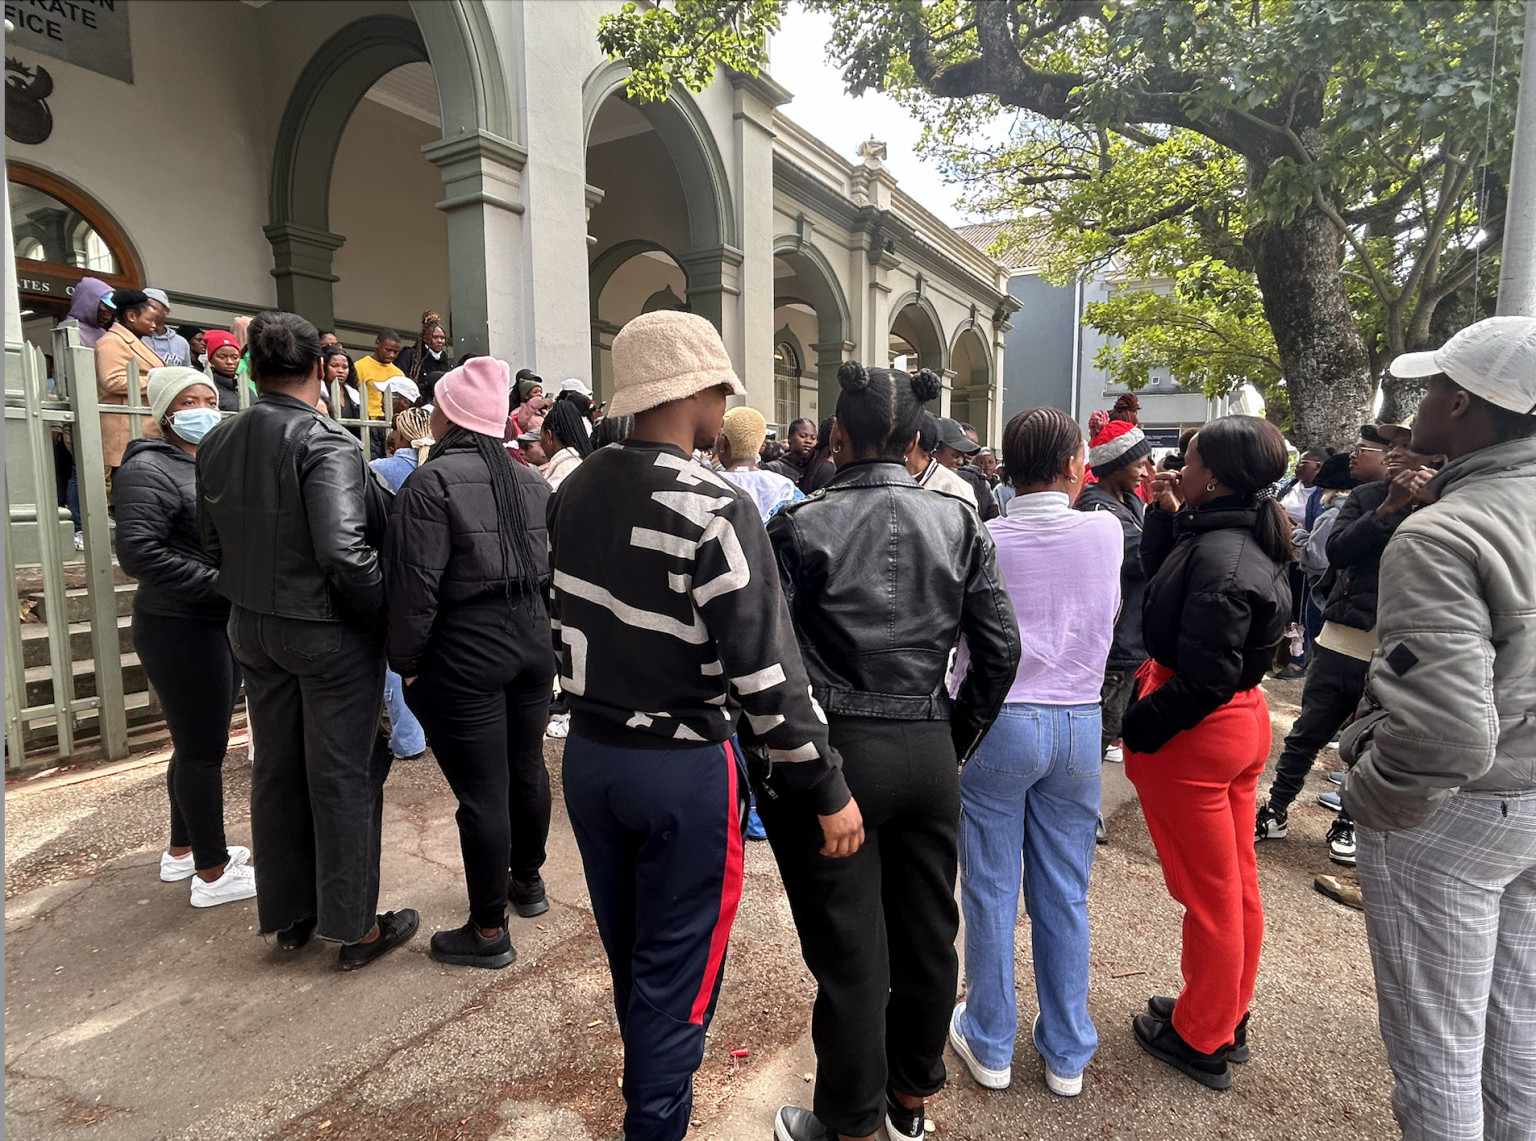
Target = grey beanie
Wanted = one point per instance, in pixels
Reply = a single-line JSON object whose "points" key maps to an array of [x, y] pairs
{"points": [[166, 384]]}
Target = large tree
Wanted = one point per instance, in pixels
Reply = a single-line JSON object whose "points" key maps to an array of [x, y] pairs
{"points": [[1345, 158]]}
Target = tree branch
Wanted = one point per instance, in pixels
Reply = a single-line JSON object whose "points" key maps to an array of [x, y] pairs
{"points": [[1172, 210]]}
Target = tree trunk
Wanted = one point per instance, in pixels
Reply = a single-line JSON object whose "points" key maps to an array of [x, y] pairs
{"points": [[1400, 397], [1321, 353]]}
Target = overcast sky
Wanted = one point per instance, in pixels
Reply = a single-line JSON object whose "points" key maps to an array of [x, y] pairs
{"points": [[822, 107]]}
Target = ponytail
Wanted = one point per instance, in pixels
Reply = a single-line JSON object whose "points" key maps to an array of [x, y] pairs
{"points": [[1247, 453]]}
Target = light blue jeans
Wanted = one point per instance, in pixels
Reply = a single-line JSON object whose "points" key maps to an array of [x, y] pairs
{"points": [[1030, 795], [406, 736]]}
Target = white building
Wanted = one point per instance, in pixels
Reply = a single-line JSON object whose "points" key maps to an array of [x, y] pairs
{"points": [[361, 161]]}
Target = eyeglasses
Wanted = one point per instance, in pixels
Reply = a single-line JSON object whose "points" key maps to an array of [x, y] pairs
{"points": [[1359, 448]]}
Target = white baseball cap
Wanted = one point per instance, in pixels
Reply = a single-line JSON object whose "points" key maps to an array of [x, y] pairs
{"points": [[158, 295], [402, 385], [575, 385], [1494, 359]]}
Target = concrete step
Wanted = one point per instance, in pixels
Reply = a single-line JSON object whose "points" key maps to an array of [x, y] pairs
{"points": [[34, 640], [39, 680], [78, 602]]}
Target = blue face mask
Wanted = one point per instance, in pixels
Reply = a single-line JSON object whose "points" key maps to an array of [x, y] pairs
{"points": [[192, 424]]}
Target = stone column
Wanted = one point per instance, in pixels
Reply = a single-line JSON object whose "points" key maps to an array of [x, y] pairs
{"points": [[301, 257], [482, 174], [754, 98], [713, 280]]}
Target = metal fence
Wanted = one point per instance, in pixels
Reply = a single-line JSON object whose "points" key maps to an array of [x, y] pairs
{"points": [[41, 528]]}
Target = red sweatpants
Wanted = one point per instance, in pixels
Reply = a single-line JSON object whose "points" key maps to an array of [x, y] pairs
{"points": [[1197, 794]]}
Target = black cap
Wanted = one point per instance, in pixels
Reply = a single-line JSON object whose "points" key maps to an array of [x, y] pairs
{"points": [[1334, 474], [1373, 434], [951, 435]]}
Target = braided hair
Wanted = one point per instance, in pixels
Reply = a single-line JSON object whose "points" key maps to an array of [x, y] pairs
{"points": [[881, 409], [1038, 444], [429, 321], [564, 422], [512, 519]]}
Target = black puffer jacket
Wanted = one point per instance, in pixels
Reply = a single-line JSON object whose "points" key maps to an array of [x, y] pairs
{"points": [[1355, 545], [882, 577], [1216, 608], [426, 376], [1128, 648], [450, 601], [154, 495], [227, 388], [291, 514]]}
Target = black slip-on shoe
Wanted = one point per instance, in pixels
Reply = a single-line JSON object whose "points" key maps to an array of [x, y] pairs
{"points": [[1158, 1038], [395, 928], [792, 1123], [466, 947], [1161, 1006], [528, 898], [292, 938], [901, 1122]]}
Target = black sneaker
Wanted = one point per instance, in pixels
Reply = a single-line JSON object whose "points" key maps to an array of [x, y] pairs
{"points": [[1269, 823], [1341, 842], [395, 928], [1158, 1037], [1161, 1006], [528, 897], [795, 1124], [293, 938], [901, 1121], [466, 947]]}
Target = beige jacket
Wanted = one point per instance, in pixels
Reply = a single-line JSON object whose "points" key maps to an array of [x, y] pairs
{"points": [[940, 478], [113, 351], [1453, 681]]}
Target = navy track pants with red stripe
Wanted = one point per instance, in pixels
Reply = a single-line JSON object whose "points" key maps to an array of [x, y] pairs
{"points": [[660, 838]]}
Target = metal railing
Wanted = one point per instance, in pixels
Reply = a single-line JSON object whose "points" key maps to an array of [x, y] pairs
{"points": [[75, 405]]}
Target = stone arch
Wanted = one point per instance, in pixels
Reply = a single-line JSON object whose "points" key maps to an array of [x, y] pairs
{"points": [[824, 293], [914, 318], [476, 154], [971, 396], [606, 323], [690, 142], [606, 263]]}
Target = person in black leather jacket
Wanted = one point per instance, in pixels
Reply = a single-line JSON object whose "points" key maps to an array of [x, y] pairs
{"points": [[882, 577], [293, 518], [464, 562], [1196, 739], [178, 631]]}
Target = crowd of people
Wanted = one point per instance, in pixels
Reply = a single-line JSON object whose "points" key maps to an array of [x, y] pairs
{"points": [[913, 659]]}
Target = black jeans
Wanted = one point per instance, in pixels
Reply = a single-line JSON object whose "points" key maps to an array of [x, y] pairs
{"points": [[316, 692], [878, 928], [1335, 683], [1114, 698], [195, 675], [490, 745]]}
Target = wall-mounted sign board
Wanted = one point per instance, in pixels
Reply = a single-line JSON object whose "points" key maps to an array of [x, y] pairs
{"points": [[92, 34]]}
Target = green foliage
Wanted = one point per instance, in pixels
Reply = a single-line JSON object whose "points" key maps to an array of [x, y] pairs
{"points": [[682, 42]]}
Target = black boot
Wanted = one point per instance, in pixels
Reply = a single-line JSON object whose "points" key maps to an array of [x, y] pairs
{"points": [[1161, 1006], [466, 947], [1158, 1038]]}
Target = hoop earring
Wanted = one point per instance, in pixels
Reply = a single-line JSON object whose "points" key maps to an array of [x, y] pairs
{"points": [[1211, 486], [836, 448]]}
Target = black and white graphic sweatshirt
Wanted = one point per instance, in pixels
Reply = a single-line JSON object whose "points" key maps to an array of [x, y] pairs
{"points": [[672, 624]]}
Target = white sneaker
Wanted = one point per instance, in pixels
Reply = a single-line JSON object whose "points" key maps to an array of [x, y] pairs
{"points": [[559, 726], [1114, 755], [987, 1079], [79, 540], [238, 882], [1058, 1085], [174, 868]]}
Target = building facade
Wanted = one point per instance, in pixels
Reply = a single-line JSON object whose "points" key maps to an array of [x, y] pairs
{"points": [[363, 161]]}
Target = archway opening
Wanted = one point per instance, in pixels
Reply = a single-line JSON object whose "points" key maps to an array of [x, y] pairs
{"points": [[809, 303], [971, 396], [383, 195], [657, 197], [917, 342]]}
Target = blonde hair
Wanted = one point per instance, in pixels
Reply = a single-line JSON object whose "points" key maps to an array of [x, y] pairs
{"points": [[744, 430], [415, 427]]}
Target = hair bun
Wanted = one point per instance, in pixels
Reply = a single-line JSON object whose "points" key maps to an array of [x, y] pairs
{"points": [[852, 376], [926, 385]]}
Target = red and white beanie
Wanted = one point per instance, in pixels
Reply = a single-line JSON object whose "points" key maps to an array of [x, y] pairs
{"points": [[1115, 445]]}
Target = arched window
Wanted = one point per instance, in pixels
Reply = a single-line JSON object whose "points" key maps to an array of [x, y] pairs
{"points": [[60, 234], [786, 384]]}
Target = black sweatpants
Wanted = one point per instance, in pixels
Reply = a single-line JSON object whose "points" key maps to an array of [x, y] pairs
{"points": [[490, 745], [1335, 683], [878, 928], [196, 677], [316, 692]]}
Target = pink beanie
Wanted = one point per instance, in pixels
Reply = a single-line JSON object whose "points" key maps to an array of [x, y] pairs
{"points": [[476, 395]]}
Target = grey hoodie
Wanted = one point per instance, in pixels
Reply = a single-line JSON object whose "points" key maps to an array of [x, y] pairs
{"points": [[1453, 682]]}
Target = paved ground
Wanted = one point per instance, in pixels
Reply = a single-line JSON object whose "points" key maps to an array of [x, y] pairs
{"points": [[129, 1015]]}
